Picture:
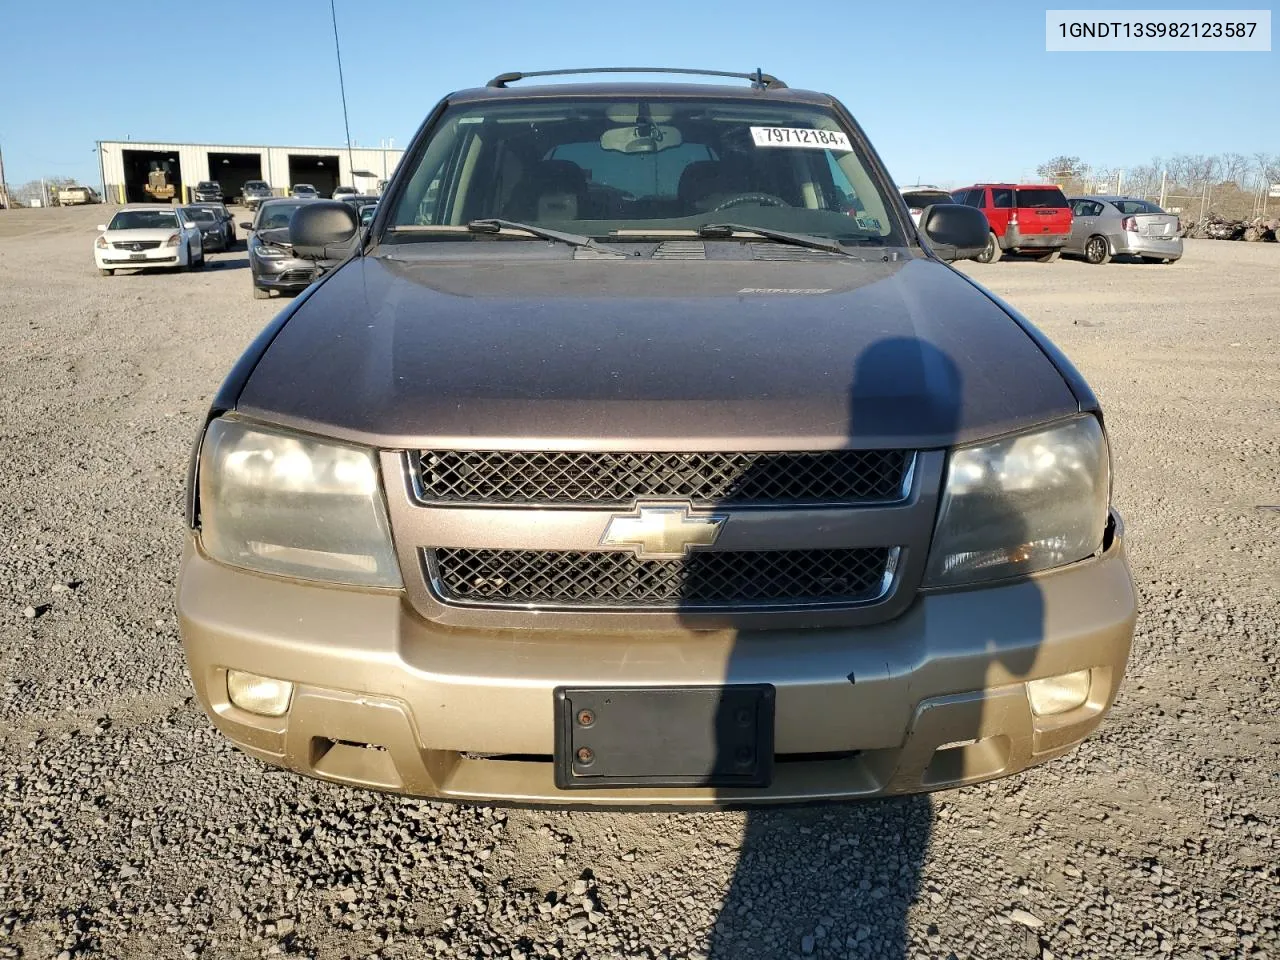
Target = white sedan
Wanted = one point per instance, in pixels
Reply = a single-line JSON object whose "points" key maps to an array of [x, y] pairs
{"points": [[148, 236], [923, 195]]}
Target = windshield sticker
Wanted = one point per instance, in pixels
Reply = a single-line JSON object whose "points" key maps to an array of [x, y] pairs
{"points": [[868, 223], [800, 137], [789, 290]]}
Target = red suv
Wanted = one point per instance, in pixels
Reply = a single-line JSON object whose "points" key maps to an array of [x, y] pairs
{"points": [[1025, 218]]}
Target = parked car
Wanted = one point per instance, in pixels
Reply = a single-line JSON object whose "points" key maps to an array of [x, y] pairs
{"points": [[207, 191], [341, 193], [254, 192], [1032, 218], [227, 221], [632, 470], [213, 229], [148, 236], [75, 195], [1106, 227], [304, 191], [358, 201], [920, 196], [272, 262]]}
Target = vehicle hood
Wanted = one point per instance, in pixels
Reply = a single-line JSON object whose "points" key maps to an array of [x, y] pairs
{"points": [[276, 236], [642, 354], [128, 236]]}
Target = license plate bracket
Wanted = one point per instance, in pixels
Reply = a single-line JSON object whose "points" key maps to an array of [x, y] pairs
{"points": [[137, 256], [664, 736]]}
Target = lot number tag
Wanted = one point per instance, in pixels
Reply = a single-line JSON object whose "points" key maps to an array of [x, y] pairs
{"points": [[800, 137]]}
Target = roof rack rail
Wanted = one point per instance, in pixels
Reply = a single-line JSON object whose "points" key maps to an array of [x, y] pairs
{"points": [[759, 80]]}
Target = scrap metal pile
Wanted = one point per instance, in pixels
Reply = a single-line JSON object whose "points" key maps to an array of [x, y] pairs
{"points": [[1214, 227]]}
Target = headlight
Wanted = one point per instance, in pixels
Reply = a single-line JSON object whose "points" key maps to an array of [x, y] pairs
{"points": [[1021, 504], [266, 252], [101, 243], [282, 503], [173, 240]]}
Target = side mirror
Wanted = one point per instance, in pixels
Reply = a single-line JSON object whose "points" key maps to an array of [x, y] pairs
{"points": [[246, 225], [323, 230], [954, 231], [102, 228]]}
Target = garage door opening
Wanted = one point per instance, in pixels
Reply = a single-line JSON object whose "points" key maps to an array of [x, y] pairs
{"points": [[142, 169], [231, 170], [320, 172]]}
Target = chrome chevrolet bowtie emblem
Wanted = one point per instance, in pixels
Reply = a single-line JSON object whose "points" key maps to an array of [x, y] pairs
{"points": [[662, 533]]}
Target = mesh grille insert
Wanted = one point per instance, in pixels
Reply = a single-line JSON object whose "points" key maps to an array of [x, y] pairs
{"points": [[569, 578], [618, 479]]}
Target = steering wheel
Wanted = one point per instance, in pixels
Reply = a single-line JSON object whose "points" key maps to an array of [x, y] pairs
{"points": [[763, 199]]}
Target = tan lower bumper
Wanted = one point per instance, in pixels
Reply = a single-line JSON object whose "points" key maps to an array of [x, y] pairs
{"points": [[934, 699]]}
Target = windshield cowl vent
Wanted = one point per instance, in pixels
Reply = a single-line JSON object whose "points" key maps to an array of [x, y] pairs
{"points": [[681, 250], [776, 251]]}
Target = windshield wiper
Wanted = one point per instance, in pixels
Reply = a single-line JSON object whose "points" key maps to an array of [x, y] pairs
{"points": [[494, 225], [729, 231]]}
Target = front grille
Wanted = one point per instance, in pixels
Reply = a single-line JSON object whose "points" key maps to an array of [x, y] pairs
{"points": [[136, 245], [295, 276], [583, 579], [619, 479]]}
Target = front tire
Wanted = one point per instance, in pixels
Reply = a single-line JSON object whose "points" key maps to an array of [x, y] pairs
{"points": [[105, 272], [1097, 251], [260, 294], [1049, 257], [992, 253]]}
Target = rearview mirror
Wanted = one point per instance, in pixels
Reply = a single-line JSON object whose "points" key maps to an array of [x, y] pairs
{"points": [[954, 231], [641, 138], [102, 228], [246, 225], [323, 230]]}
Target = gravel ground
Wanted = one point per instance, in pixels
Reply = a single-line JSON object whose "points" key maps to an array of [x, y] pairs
{"points": [[128, 828]]}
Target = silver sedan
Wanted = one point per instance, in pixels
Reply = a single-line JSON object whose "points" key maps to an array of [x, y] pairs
{"points": [[1106, 227]]}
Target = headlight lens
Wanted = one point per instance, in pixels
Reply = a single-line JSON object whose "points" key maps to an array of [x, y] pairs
{"points": [[282, 503], [1021, 504], [173, 240], [266, 252], [101, 243]]}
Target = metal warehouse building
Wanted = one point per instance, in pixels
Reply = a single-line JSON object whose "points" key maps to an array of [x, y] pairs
{"points": [[125, 166]]}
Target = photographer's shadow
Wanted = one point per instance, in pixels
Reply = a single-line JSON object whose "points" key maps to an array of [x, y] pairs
{"points": [[839, 879]]}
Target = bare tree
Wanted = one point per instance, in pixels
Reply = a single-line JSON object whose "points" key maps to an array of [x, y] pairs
{"points": [[1234, 167], [1061, 169]]}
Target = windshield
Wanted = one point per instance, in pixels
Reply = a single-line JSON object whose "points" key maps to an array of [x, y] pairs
{"points": [[304, 187], [200, 215], [273, 215], [1136, 206], [206, 185], [255, 185], [1041, 197], [597, 166], [143, 220]]}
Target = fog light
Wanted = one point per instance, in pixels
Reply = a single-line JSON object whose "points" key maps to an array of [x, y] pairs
{"points": [[1054, 695], [260, 695]]}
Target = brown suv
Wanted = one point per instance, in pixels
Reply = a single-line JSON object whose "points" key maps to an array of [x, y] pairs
{"points": [[642, 450]]}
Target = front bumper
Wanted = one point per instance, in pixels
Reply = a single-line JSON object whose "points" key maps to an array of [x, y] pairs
{"points": [[125, 260], [935, 698], [287, 274], [1136, 245], [1015, 239]]}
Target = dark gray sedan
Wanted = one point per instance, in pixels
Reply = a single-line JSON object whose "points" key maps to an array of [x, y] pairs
{"points": [[272, 262], [1106, 227]]}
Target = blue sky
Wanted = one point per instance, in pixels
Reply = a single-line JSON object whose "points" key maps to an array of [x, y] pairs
{"points": [[948, 93]]}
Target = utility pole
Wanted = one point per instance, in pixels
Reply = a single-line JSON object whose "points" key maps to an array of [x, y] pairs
{"points": [[4, 186], [1163, 179]]}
